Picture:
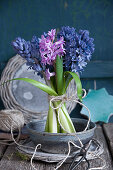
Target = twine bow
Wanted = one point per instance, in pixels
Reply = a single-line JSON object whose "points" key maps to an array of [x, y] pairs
{"points": [[63, 99]]}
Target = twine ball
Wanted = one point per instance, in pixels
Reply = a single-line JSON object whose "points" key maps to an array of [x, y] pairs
{"points": [[11, 119]]}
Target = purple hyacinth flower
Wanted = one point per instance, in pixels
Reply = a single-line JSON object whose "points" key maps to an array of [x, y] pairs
{"points": [[52, 34], [50, 49], [48, 74]]}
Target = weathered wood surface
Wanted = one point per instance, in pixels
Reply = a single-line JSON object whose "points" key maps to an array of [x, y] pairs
{"points": [[98, 69], [2, 150], [8, 136], [108, 130], [11, 161]]}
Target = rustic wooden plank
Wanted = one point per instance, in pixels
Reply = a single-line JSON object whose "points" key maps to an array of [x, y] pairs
{"points": [[98, 69], [108, 130], [98, 84], [106, 155], [8, 136], [2, 150], [97, 162], [11, 161]]}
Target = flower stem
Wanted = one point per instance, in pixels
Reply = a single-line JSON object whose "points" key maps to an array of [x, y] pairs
{"points": [[51, 123], [69, 120], [64, 118]]}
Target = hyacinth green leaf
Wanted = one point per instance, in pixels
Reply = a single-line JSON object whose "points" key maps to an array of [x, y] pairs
{"points": [[59, 75], [68, 79], [78, 84], [37, 84], [64, 119], [51, 122], [68, 117], [53, 83], [47, 124]]}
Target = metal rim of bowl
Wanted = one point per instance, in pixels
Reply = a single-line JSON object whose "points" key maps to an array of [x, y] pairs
{"points": [[62, 134]]}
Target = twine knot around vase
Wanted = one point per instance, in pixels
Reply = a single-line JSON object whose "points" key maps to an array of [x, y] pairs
{"points": [[11, 118], [64, 98]]}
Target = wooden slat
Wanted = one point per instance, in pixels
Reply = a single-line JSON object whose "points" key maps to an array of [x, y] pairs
{"points": [[11, 161], [97, 162], [108, 130], [2, 150], [98, 84], [98, 69], [8, 136]]}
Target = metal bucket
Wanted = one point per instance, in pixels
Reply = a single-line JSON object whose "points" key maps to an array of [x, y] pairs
{"points": [[58, 142]]}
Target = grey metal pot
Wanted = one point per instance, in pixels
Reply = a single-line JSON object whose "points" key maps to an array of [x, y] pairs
{"points": [[58, 142]]}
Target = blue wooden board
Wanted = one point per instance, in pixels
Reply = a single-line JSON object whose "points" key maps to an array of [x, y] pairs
{"points": [[98, 69], [26, 18], [98, 83]]}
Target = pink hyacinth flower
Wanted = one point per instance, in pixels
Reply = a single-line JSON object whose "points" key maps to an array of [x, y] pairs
{"points": [[48, 74], [52, 34], [49, 49]]}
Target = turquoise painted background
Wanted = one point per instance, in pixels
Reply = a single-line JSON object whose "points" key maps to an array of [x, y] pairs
{"points": [[32, 17], [25, 18]]}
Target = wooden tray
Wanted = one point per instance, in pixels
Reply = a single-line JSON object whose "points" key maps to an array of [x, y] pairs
{"points": [[50, 157]]}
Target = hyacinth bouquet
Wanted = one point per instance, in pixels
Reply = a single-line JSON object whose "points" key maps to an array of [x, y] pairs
{"points": [[57, 57]]}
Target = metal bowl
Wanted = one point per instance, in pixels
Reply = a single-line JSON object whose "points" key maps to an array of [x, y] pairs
{"points": [[58, 142]]}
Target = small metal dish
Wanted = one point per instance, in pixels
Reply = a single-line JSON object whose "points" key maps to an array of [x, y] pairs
{"points": [[58, 142]]}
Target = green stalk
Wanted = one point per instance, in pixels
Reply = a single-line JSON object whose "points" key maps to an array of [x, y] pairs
{"points": [[59, 75], [53, 83], [64, 118], [51, 123], [47, 123], [37, 84], [69, 119], [77, 81], [58, 125]]}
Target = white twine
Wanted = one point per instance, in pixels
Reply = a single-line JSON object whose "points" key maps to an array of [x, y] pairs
{"points": [[28, 147], [5, 142], [63, 99], [11, 117], [97, 156], [34, 155], [11, 120], [61, 162]]}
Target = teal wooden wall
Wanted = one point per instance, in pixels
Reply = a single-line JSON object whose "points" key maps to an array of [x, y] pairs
{"points": [[32, 17]]}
